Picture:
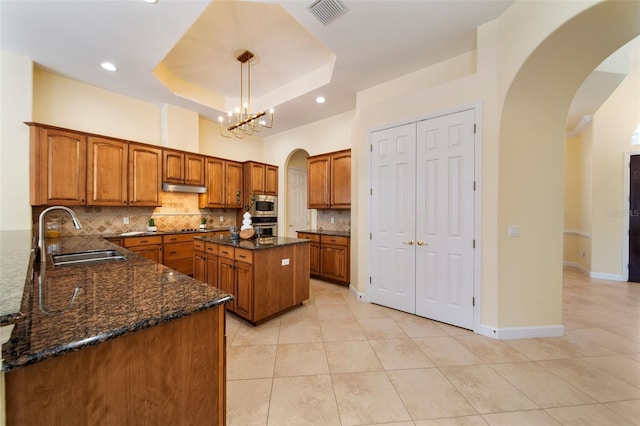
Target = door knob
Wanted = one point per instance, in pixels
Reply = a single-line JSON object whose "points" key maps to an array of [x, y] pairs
{"points": [[421, 243], [410, 242]]}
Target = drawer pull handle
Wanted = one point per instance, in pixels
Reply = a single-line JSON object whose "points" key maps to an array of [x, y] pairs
{"points": [[144, 241], [242, 256], [172, 252]]}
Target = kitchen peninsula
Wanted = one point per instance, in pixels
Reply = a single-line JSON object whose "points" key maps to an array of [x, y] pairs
{"points": [[126, 341], [267, 276]]}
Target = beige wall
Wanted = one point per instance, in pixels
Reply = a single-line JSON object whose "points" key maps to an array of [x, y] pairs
{"points": [[15, 108], [613, 125]]}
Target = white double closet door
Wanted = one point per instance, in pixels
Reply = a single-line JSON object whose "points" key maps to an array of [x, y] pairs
{"points": [[422, 210]]}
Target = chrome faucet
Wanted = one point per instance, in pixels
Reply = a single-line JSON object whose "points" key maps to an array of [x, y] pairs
{"points": [[74, 219]]}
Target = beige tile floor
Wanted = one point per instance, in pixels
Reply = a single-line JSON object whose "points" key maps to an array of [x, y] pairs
{"points": [[338, 361]]}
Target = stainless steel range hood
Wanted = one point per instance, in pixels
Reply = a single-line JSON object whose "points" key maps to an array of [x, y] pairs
{"points": [[172, 187]]}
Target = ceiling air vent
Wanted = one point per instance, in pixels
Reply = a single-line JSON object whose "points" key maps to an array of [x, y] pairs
{"points": [[327, 11]]}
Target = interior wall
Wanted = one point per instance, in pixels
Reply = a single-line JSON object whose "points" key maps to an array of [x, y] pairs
{"points": [[215, 145], [613, 125], [16, 76]]}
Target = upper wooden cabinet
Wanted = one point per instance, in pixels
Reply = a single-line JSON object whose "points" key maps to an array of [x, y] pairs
{"points": [[223, 180], [183, 168], [329, 180], [107, 172], [145, 171], [58, 166], [260, 179]]}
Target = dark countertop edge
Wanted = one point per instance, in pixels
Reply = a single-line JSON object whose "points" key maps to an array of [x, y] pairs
{"points": [[227, 241], [106, 336], [14, 317], [160, 233], [326, 232]]}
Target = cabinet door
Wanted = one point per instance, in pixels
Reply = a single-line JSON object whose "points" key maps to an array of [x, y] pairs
{"points": [[233, 184], [244, 290], [214, 181], [58, 167], [200, 266], [334, 262], [145, 176], [314, 259], [194, 169], [150, 252], [226, 279], [107, 172], [341, 180], [212, 270], [255, 174], [318, 181], [172, 166], [271, 180]]}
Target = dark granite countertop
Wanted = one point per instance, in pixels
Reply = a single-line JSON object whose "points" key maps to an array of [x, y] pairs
{"points": [[16, 255], [326, 232], [111, 299], [253, 244], [165, 232]]}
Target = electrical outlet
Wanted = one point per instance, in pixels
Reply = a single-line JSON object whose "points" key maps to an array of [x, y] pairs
{"points": [[333, 219], [125, 220], [285, 262], [221, 218]]}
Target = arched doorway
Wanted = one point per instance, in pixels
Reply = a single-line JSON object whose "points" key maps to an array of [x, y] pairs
{"points": [[296, 214], [531, 138]]}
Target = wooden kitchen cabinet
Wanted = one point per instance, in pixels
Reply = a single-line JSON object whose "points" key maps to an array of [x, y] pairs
{"points": [[145, 176], [58, 166], [260, 179], [183, 168], [243, 289], [149, 247], [226, 275], [205, 266], [329, 257], [314, 252], [214, 181], [107, 178], [329, 180], [233, 184], [178, 252]]}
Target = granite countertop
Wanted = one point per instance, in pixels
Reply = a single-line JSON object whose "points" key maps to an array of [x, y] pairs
{"points": [[254, 244], [16, 255], [326, 232], [112, 299], [166, 232]]}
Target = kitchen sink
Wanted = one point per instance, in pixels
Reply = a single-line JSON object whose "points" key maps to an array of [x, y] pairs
{"points": [[86, 257]]}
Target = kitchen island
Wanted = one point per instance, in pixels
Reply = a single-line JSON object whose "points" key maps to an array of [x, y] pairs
{"points": [[266, 276], [116, 342]]}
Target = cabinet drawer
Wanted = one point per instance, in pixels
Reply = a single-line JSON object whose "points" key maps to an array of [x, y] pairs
{"points": [[175, 251], [181, 265], [330, 239], [313, 237], [178, 238], [198, 245], [243, 255], [142, 241], [226, 252], [211, 248]]}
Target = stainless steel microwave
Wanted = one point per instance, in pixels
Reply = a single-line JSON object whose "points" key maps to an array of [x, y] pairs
{"points": [[264, 206]]}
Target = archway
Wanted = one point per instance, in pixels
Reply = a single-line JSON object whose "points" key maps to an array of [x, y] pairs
{"points": [[531, 136]]}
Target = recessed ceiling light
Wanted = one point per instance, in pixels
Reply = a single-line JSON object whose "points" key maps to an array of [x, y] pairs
{"points": [[320, 100], [151, 1], [109, 66]]}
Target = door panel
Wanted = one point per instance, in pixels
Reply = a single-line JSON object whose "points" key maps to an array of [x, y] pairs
{"points": [[634, 219], [393, 217], [445, 218], [297, 212]]}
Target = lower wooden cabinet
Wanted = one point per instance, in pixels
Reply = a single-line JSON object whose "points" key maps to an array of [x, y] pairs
{"points": [[149, 247], [262, 286], [329, 257], [178, 252]]}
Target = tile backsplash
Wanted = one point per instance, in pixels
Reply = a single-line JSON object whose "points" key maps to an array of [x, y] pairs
{"points": [[341, 220], [178, 211]]}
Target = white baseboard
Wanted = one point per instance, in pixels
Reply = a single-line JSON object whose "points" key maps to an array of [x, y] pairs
{"points": [[508, 333], [362, 297], [577, 266], [610, 277]]}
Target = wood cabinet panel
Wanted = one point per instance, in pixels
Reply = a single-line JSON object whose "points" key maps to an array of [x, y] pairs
{"points": [[172, 166], [226, 278], [214, 181], [199, 266], [142, 241], [107, 173], [233, 184], [255, 173], [145, 176], [212, 270], [151, 252], [341, 180], [194, 169], [318, 181], [271, 180], [335, 262], [175, 251], [58, 167], [314, 252], [244, 290]]}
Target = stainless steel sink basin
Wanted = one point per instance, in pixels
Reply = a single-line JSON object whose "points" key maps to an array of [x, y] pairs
{"points": [[86, 257]]}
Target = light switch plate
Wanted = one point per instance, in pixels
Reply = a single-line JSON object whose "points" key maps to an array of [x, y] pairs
{"points": [[125, 220], [285, 262], [514, 230]]}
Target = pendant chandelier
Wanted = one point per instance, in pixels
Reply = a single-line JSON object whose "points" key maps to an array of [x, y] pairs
{"points": [[242, 122]]}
